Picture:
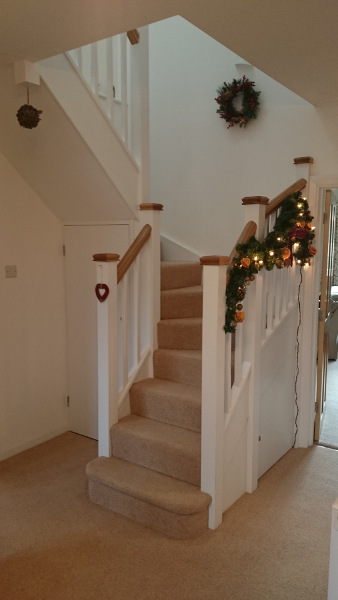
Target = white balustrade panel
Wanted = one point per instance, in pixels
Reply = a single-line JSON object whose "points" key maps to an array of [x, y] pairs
{"points": [[105, 66]]}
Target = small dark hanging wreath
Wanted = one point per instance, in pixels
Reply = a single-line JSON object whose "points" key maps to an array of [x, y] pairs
{"points": [[250, 102], [27, 115]]}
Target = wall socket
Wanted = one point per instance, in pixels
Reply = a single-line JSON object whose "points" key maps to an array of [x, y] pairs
{"points": [[10, 271]]}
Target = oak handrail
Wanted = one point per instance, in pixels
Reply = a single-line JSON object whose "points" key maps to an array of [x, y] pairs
{"points": [[276, 202], [132, 252], [248, 231]]}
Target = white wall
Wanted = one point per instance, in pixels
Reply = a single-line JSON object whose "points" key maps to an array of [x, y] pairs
{"points": [[33, 380], [200, 170]]}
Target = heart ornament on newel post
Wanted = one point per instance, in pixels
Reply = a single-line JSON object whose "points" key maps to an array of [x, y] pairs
{"points": [[101, 291]]}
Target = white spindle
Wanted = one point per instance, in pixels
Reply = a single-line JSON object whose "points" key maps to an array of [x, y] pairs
{"points": [[110, 79], [94, 69], [238, 362], [270, 300], [136, 311], [124, 314], [124, 91]]}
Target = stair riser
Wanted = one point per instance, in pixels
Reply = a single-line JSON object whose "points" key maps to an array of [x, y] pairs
{"points": [[179, 336], [175, 275], [180, 305], [156, 456], [164, 521], [173, 411], [175, 367]]}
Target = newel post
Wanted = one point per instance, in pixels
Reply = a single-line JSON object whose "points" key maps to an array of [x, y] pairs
{"points": [[213, 383], [151, 214], [254, 210], [107, 344]]}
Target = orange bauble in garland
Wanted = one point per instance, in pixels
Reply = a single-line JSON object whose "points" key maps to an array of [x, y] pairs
{"points": [[245, 262], [285, 253], [239, 316], [312, 250]]}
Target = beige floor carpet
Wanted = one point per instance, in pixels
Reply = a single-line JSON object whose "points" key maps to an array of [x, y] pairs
{"points": [[56, 544]]}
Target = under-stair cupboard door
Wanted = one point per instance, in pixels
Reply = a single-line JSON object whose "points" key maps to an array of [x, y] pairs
{"points": [[81, 242], [324, 308]]}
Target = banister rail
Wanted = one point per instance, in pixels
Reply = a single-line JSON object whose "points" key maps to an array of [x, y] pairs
{"points": [[132, 252], [278, 200]]}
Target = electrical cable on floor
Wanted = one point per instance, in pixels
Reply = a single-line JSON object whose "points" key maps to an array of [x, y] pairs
{"points": [[297, 355]]}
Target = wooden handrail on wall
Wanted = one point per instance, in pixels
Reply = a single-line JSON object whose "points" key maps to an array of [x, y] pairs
{"points": [[276, 202], [132, 252]]}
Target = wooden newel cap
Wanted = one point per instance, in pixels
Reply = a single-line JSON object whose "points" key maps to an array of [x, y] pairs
{"points": [[105, 257], [214, 260], [133, 36], [255, 200], [303, 160], [151, 206]]}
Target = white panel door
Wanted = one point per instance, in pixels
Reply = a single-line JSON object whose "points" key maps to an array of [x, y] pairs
{"points": [[81, 242]]}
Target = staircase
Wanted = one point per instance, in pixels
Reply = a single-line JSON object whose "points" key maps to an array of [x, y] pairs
{"points": [[154, 473]]}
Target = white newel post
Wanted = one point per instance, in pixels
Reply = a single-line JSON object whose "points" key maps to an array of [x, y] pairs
{"points": [[151, 214], [213, 383], [107, 344], [254, 211], [309, 316]]}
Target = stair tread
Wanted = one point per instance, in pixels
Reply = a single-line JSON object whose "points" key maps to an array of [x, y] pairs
{"points": [[183, 366], [147, 485], [182, 302], [193, 289], [183, 321], [177, 438], [179, 351], [180, 333], [168, 402], [178, 274], [171, 388]]}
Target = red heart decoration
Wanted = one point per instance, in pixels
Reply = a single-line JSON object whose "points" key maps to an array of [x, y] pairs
{"points": [[101, 291]]}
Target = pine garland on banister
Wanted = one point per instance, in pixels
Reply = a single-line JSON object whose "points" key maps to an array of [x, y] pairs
{"points": [[291, 239]]}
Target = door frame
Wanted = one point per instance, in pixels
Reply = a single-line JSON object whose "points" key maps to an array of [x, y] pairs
{"points": [[309, 338]]}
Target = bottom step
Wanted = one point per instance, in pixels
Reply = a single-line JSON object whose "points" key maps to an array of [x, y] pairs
{"points": [[175, 508]]}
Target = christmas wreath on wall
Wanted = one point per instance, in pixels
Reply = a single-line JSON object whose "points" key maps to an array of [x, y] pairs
{"points": [[290, 239], [229, 92]]}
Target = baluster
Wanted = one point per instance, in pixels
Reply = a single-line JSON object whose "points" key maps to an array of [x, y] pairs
{"points": [[110, 79], [124, 298], [238, 362], [94, 69], [124, 98], [136, 311]]}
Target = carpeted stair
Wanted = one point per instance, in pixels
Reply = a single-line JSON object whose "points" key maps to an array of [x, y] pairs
{"points": [[154, 474]]}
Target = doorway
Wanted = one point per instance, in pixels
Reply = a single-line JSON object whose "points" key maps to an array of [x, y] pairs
{"points": [[81, 242], [327, 434]]}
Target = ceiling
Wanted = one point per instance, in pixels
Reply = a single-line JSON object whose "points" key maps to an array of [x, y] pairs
{"points": [[296, 43]]}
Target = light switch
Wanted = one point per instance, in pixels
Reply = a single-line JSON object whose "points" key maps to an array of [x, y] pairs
{"points": [[10, 271]]}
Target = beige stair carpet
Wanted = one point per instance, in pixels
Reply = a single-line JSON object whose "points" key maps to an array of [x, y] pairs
{"points": [[154, 474]]}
